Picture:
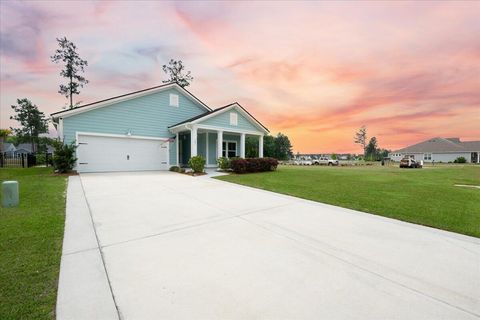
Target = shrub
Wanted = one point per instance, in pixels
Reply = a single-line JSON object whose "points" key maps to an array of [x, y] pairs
{"points": [[197, 164], [253, 165], [64, 156], [460, 160], [223, 163], [41, 159], [174, 169]]}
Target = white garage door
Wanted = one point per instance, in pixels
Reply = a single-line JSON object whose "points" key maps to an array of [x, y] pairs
{"points": [[100, 154]]}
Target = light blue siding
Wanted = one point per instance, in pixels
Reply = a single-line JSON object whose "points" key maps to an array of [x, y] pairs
{"points": [[149, 115], [212, 148], [223, 120], [202, 145]]}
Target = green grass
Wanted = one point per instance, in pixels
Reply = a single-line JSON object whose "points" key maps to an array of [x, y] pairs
{"points": [[424, 196], [30, 244]]}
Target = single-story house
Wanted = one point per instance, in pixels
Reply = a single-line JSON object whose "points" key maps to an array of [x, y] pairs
{"points": [[10, 150], [153, 129], [440, 150]]}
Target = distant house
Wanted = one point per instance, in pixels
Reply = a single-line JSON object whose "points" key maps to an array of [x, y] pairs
{"points": [[23, 148], [10, 150], [440, 150]]}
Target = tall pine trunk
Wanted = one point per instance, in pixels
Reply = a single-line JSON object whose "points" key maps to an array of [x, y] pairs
{"points": [[71, 97]]}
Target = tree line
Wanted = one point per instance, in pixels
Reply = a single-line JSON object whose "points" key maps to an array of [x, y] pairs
{"points": [[371, 150], [278, 147]]}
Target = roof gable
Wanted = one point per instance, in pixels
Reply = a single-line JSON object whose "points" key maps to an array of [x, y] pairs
{"points": [[148, 115], [246, 120], [129, 96]]}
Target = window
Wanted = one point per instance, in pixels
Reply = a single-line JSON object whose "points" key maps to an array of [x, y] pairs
{"points": [[427, 156], [233, 119], [229, 149], [173, 100]]}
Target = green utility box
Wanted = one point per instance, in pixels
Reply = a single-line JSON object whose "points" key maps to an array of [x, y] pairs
{"points": [[10, 194]]}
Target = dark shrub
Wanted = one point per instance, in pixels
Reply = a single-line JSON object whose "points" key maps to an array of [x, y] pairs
{"points": [[250, 165], [64, 156], [460, 160], [197, 164], [175, 169]]}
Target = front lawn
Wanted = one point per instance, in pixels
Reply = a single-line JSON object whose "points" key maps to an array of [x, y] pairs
{"points": [[424, 196], [30, 244]]}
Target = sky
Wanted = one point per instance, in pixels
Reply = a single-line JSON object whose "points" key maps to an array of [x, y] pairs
{"points": [[315, 71]]}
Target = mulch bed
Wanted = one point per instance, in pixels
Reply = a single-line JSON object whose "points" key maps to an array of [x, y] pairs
{"points": [[192, 174]]}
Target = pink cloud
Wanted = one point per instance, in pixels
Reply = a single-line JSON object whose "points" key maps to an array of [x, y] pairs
{"points": [[313, 70]]}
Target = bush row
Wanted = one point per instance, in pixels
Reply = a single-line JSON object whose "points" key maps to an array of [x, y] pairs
{"points": [[249, 165]]}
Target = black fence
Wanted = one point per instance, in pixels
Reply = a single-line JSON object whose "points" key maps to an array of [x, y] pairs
{"points": [[25, 160]]}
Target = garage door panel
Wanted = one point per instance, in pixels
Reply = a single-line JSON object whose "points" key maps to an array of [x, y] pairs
{"points": [[100, 154]]}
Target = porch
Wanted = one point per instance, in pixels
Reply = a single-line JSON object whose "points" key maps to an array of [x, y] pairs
{"points": [[215, 134], [212, 144]]}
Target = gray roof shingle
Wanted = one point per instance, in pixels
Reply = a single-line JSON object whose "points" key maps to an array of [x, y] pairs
{"points": [[439, 145]]}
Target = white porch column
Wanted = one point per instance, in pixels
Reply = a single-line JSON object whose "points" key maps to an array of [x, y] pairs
{"points": [[242, 145], [177, 143], [219, 143], [260, 146], [193, 141]]}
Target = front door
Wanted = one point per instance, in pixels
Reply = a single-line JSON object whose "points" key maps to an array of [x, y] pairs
{"points": [[474, 157], [184, 148]]}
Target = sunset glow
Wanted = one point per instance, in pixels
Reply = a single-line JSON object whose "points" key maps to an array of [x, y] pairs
{"points": [[315, 71]]}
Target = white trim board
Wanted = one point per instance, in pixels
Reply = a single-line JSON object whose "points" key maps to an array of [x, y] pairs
{"points": [[214, 129], [97, 134]]}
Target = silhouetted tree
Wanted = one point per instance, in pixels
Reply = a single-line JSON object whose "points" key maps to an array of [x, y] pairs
{"points": [[371, 151], [361, 138], [73, 66], [175, 70]]}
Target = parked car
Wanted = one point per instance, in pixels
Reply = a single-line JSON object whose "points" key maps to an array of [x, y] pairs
{"points": [[409, 163], [306, 161], [302, 161], [325, 161]]}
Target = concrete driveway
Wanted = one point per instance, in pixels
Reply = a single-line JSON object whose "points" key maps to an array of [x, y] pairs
{"points": [[168, 246]]}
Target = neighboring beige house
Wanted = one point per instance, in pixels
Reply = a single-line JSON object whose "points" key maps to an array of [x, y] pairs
{"points": [[440, 150]]}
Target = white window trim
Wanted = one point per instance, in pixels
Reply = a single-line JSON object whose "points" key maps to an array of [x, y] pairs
{"points": [[233, 119], [174, 100], [226, 147]]}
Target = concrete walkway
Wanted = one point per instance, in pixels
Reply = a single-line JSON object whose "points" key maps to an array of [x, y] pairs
{"points": [[168, 246]]}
